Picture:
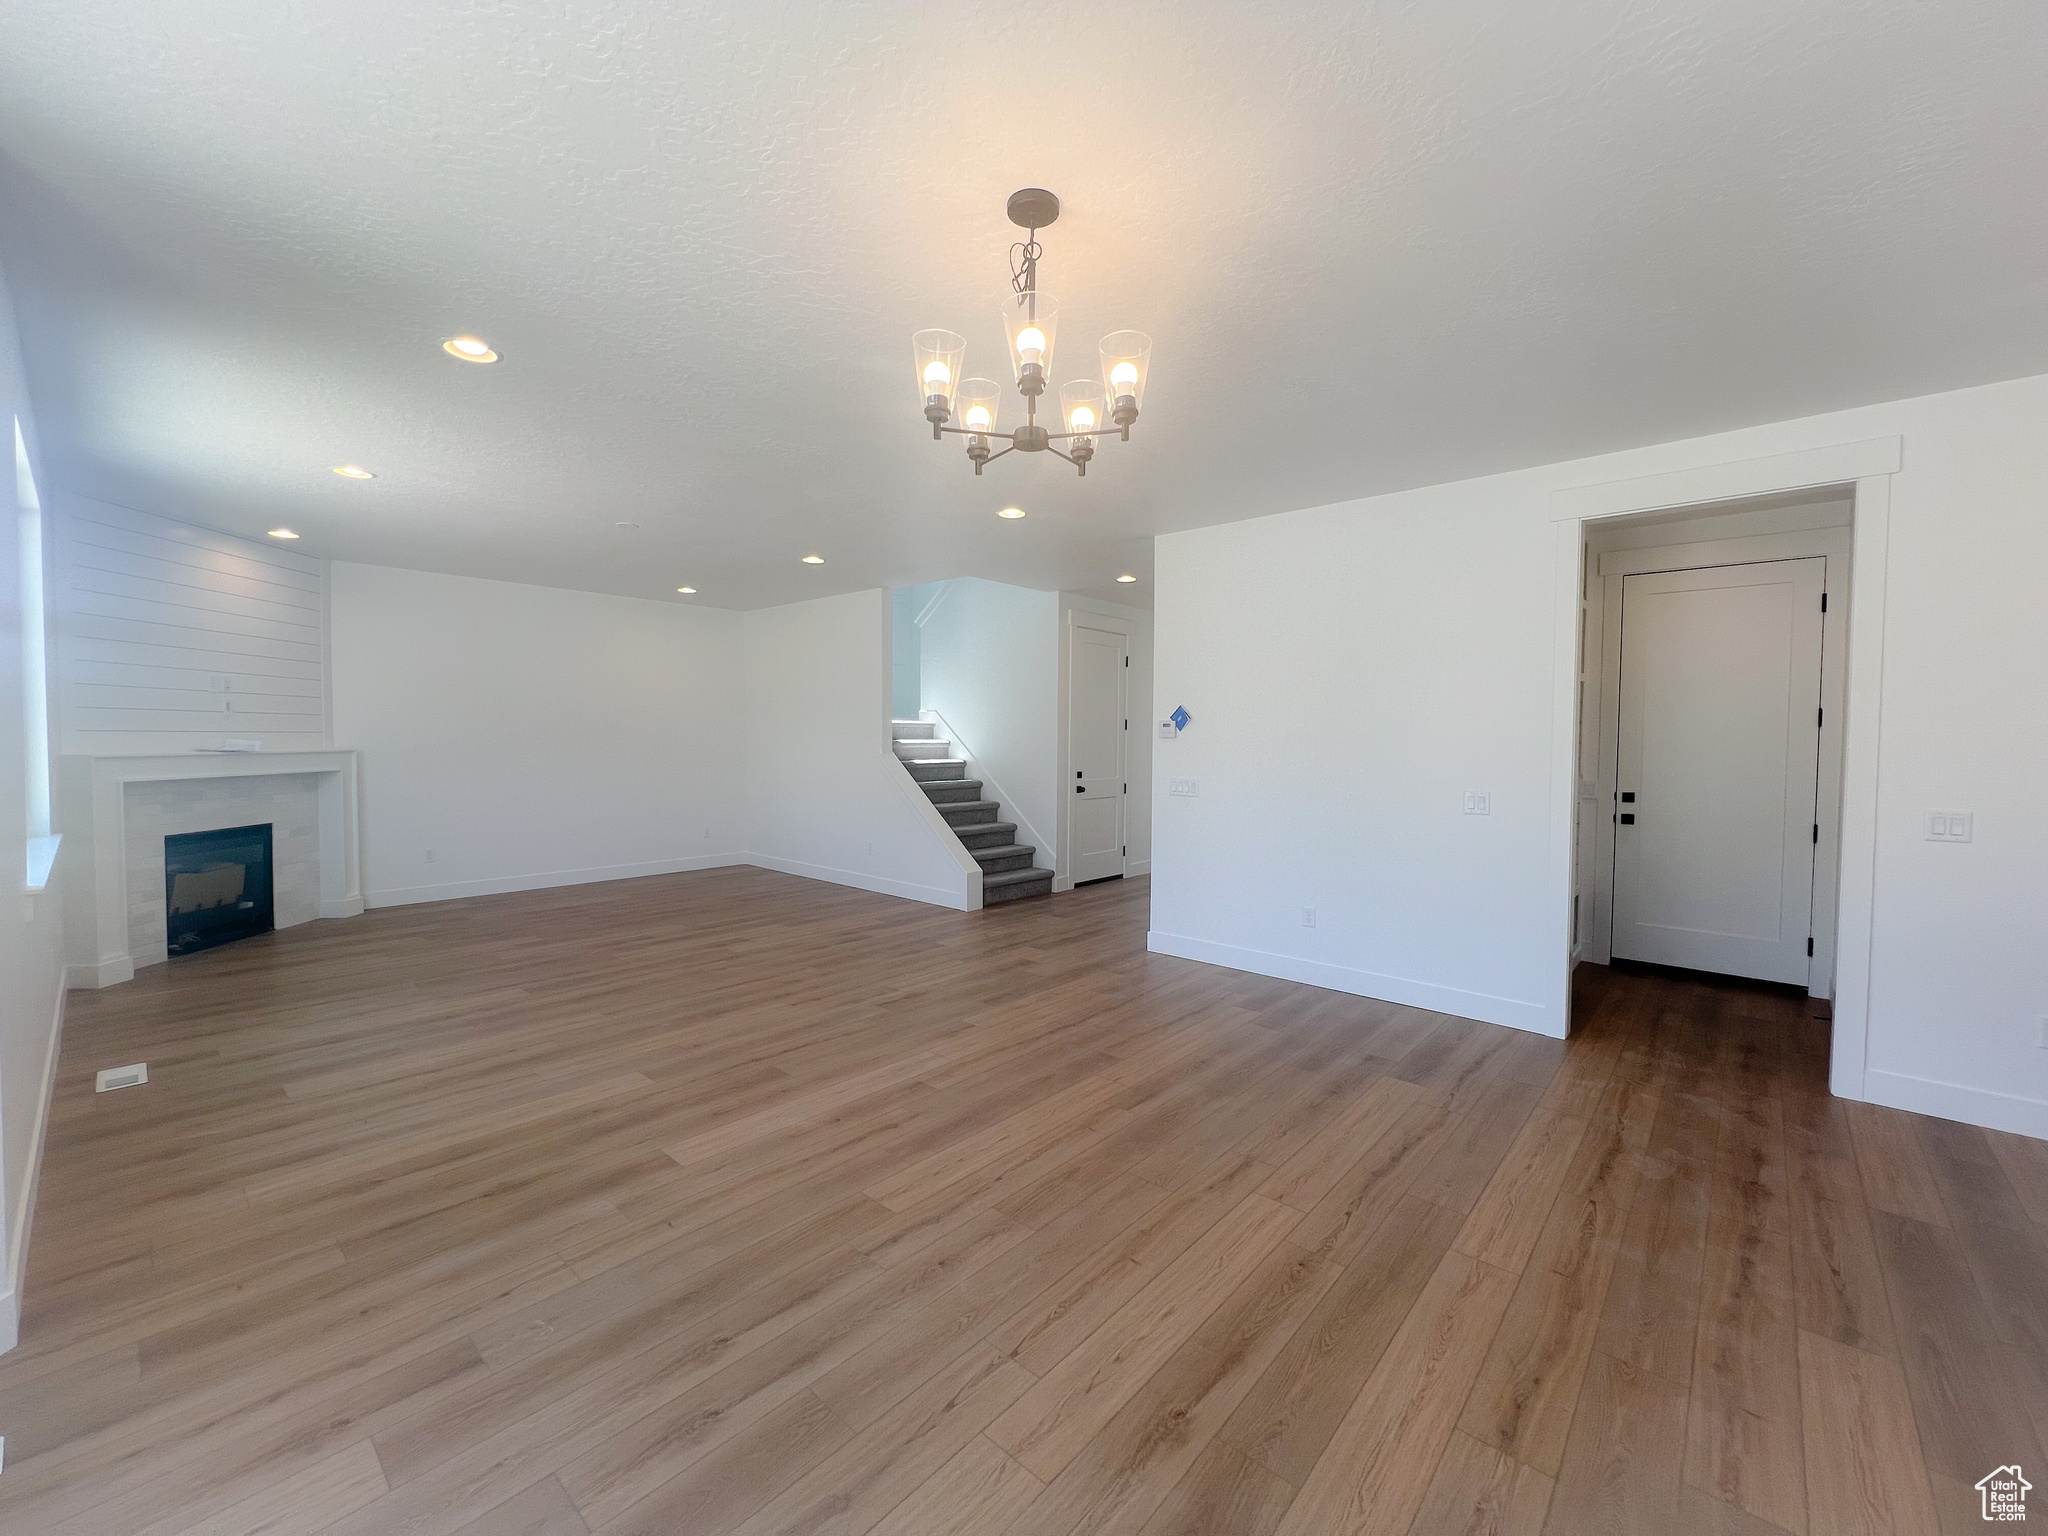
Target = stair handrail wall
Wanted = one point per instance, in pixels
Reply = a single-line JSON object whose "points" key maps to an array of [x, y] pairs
{"points": [[991, 789], [969, 866]]}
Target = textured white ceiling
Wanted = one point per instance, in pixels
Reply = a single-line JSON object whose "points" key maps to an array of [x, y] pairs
{"points": [[1378, 245]]}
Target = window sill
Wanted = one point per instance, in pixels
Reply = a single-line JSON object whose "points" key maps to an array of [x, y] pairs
{"points": [[42, 858]]}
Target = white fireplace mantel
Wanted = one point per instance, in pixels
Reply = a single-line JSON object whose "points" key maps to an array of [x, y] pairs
{"points": [[93, 864]]}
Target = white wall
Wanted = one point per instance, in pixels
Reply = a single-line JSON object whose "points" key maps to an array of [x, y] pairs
{"points": [[825, 796], [173, 637], [531, 736], [1353, 669], [31, 927], [989, 663]]}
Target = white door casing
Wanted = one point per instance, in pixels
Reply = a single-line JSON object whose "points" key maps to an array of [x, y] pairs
{"points": [[1097, 681], [1719, 740]]}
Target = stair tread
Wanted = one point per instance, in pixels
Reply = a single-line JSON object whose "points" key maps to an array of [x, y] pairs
{"points": [[967, 805], [1006, 851], [1015, 876], [984, 828]]}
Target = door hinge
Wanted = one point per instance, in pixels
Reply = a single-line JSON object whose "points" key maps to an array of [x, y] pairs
{"points": [[1809, 946], [1823, 602], [1127, 850], [1816, 831], [1819, 717]]}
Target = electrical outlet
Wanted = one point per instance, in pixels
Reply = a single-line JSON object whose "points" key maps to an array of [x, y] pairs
{"points": [[1478, 802], [2043, 1041], [1588, 790], [1308, 917], [1181, 787], [429, 856], [1166, 730], [1949, 826]]}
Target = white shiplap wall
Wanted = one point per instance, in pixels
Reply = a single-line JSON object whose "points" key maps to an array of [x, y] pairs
{"points": [[174, 637]]}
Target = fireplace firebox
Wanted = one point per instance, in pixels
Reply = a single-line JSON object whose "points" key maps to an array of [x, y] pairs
{"points": [[216, 887]]}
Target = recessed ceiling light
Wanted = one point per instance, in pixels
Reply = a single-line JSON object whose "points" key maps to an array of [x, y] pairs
{"points": [[1011, 512], [471, 349], [282, 533], [814, 559], [353, 472], [1127, 577], [687, 591]]}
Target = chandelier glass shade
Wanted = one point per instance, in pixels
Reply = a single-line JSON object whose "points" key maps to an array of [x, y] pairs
{"points": [[1088, 408]]}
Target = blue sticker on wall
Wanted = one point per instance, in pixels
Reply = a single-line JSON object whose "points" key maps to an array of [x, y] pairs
{"points": [[1180, 717]]}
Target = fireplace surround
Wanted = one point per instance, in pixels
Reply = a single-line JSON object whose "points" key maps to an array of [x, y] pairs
{"points": [[116, 812]]}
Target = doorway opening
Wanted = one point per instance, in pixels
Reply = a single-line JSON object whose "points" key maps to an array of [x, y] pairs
{"points": [[1095, 731], [1710, 737]]}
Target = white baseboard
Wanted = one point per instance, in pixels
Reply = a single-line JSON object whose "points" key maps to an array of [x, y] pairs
{"points": [[351, 906], [23, 1209], [1953, 1101], [1136, 867], [407, 896], [109, 972], [931, 895], [1484, 1006]]}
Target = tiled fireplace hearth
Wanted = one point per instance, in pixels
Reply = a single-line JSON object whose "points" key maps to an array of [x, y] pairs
{"points": [[112, 862]]}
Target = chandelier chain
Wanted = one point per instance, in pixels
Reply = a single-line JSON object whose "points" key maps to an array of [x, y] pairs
{"points": [[1024, 263]]}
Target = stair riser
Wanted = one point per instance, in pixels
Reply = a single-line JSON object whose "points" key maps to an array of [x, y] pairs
{"points": [[914, 732], [936, 773], [1018, 892], [1004, 865], [962, 821], [941, 791], [924, 749], [991, 835]]}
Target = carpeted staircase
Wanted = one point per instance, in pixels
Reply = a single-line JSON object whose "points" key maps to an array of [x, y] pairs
{"points": [[1007, 873]]}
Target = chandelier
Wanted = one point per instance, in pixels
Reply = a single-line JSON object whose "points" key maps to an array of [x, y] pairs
{"points": [[1088, 407]]}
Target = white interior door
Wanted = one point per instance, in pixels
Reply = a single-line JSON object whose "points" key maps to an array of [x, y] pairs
{"points": [[1718, 760], [1097, 668]]}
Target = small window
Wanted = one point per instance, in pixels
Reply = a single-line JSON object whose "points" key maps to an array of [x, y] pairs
{"points": [[35, 685]]}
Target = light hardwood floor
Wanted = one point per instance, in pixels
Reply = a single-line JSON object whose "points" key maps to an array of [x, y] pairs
{"points": [[732, 1202]]}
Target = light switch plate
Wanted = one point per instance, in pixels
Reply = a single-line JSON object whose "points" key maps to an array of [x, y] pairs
{"points": [[121, 1077], [1949, 826], [1478, 802], [1180, 786]]}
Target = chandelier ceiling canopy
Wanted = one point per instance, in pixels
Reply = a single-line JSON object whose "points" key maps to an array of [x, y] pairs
{"points": [[1087, 407]]}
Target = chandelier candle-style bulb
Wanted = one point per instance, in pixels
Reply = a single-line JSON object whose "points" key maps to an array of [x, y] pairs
{"points": [[978, 401], [1126, 359], [1082, 409], [1031, 321], [938, 356]]}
